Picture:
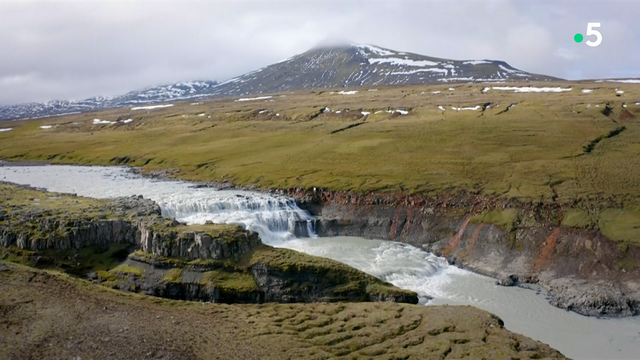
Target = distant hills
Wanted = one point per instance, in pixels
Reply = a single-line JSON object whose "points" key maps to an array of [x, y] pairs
{"points": [[329, 67], [151, 95]]}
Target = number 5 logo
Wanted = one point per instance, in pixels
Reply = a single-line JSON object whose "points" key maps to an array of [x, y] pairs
{"points": [[590, 32]]}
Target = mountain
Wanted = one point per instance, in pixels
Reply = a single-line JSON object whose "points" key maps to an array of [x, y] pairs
{"points": [[319, 68], [365, 65], [150, 95]]}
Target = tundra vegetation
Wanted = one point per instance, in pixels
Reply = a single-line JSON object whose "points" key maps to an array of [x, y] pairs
{"points": [[573, 149]]}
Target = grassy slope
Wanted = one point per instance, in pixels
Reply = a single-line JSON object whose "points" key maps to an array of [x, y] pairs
{"points": [[14, 198], [534, 152], [50, 315]]}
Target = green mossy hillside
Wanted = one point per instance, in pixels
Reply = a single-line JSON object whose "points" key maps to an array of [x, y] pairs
{"points": [[551, 148]]}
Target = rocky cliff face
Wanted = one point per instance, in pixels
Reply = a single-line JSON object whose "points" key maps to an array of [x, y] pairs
{"points": [[219, 263], [195, 244], [585, 271], [276, 283], [139, 223], [200, 292]]}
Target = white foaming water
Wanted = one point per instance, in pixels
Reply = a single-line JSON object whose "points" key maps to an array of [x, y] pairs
{"points": [[400, 264], [275, 217]]}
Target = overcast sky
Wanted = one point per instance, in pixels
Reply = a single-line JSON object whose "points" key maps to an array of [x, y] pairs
{"points": [[74, 50]]}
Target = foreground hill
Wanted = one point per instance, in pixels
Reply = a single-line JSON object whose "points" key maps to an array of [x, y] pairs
{"points": [[50, 315], [321, 68]]}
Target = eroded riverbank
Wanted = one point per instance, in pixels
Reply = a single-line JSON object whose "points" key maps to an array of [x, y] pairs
{"points": [[516, 242]]}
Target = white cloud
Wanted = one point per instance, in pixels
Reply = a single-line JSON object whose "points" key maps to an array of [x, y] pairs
{"points": [[76, 50], [567, 53], [18, 79]]}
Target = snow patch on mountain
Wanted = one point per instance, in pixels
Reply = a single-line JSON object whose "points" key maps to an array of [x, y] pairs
{"points": [[255, 98], [477, 107], [444, 71], [151, 107], [531, 89], [627, 81], [476, 62], [455, 79], [99, 122], [505, 69], [402, 62], [376, 50]]}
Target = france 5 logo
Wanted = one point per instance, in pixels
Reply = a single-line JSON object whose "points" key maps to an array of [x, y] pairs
{"points": [[590, 31]]}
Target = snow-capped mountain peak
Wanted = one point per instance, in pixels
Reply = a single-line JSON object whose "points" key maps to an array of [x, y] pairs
{"points": [[365, 65], [319, 68]]}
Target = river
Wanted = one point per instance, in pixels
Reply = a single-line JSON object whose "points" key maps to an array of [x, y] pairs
{"points": [[523, 311]]}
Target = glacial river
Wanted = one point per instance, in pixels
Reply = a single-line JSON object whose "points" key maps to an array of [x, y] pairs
{"points": [[273, 217]]}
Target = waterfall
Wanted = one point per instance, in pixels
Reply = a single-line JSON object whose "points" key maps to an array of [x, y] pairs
{"points": [[311, 232], [274, 217]]}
